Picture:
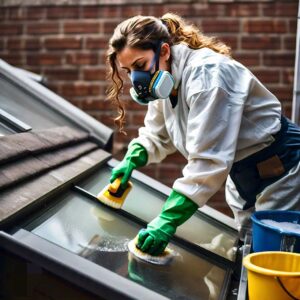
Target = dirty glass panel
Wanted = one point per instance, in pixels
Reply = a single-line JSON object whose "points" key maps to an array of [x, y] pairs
{"points": [[27, 108], [100, 235], [146, 203]]}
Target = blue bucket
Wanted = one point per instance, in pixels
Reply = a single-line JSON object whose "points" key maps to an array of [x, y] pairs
{"points": [[273, 238]]}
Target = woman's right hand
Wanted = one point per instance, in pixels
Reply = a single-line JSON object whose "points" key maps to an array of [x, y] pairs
{"points": [[136, 156], [123, 169]]}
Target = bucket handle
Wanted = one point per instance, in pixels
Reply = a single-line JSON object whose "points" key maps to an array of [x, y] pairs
{"points": [[285, 289]]}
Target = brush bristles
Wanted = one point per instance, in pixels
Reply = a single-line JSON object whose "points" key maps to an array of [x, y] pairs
{"points": [[112, 203], [161, 259], [108, 199]]}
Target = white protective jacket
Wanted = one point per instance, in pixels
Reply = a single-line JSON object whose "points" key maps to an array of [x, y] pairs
{"points": [[223, 115]]}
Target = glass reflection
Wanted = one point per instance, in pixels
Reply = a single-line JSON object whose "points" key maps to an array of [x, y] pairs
{"points": [[146, 203], [100, 235], [27, 108]]}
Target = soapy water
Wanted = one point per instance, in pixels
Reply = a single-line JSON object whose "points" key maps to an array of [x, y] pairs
{"points": [[109, 244], [285, 226], [115, 244]]}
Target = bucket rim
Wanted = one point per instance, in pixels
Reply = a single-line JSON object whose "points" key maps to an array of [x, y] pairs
{"points": [[254, 268], [273, 228]]}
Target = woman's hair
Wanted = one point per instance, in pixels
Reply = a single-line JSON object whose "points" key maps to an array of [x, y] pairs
{"points": [[144, 32]]}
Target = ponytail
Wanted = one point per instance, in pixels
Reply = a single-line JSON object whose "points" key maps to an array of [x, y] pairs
{"points": [[183, 33]]}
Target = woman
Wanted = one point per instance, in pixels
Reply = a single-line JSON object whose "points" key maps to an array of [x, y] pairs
{"points": [[214, 111]]}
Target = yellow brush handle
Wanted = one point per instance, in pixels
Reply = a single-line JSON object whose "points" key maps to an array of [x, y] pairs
{"points": [[113, 188]]}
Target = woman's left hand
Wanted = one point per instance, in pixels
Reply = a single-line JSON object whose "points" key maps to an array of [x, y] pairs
{"points": [[155, 238]]}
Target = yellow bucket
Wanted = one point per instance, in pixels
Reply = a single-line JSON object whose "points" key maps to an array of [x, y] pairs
{"points": [[273, 275]]}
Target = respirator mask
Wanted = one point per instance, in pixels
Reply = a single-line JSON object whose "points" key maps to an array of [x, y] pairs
{"points": [[148, 87]]}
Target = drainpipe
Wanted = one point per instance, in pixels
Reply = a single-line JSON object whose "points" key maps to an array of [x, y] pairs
{"points": [[296, 96]]}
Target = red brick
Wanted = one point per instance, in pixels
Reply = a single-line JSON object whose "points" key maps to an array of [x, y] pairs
{"points": [[94, 74], [176, 157], [98, 104], [289, 42], [54, 86], [248, 59], [15, 59], [137, 118], [110, 11], [82, 58], [132, 10], [281, 60], [265, 26], [219, 25], [14, 44], [3, 13], [293, 26], [2, 45], [242, 9], [16, 13], [35, 13], [43, 59], [63, 12], [10, 29], [81, 27], [61, 74], [207, 10], [132, 105], [121, 138], [287, 109], [108, 26], [97, 43], [80, 89], [63, 43], [288, 76], [32, 44], [268, 76], [261, 42], [283, 93], [183, 10], [43, 28], [231, 41], [286, 9], [108, 120]]}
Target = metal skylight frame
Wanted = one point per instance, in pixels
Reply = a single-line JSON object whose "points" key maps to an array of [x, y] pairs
{"points": [[13, 122]]}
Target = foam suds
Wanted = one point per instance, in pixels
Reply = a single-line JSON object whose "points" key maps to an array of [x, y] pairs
{"points": [[286, 226], [162, 259], [109, 244]]}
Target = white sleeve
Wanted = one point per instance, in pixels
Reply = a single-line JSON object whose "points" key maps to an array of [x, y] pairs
{"points": [[212, 132], [154, 136]]}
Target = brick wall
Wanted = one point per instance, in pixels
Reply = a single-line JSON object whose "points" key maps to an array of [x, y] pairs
{"points": [[67, 44]]}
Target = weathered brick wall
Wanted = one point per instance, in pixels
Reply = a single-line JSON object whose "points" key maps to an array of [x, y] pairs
{"points": [[67, 44]]}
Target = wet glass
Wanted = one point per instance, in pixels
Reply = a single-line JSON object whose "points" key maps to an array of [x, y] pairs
{"points": [[27, 108], [90, 230], [146, 203]]}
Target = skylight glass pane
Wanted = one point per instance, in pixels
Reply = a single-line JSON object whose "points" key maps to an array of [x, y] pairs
{"points": [[146, 203], [100, 235], [4, 130], [27, 108]]}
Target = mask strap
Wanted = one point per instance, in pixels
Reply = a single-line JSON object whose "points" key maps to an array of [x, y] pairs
{"points": [[157, 53], [155, 59]]}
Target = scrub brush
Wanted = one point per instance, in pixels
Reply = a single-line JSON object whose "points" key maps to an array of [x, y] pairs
{"points": [[161, 259], [113, 194]]}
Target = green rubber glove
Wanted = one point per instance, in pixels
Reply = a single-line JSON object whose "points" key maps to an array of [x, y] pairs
{"points": [[136, 156], [177, 209]]}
